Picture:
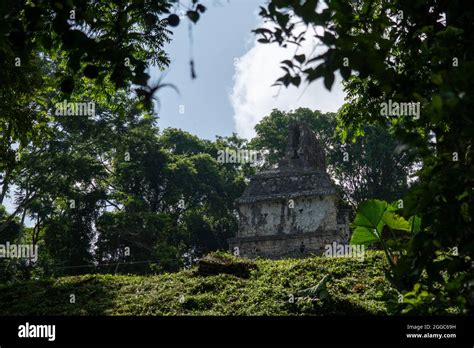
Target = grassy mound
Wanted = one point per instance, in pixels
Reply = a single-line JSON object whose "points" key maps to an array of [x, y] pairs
{"points": [[354, 287], [217, 263]]}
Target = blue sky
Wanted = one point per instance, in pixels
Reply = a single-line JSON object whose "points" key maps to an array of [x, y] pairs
{"points": [[232, 91], [222, 34]]}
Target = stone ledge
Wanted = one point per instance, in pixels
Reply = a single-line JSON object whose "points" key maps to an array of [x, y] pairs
{"points": [[319, 234], [283, 172], [286, 196]]}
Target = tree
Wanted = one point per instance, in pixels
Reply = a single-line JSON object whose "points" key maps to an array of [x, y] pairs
{"points": [[175, 201], [51, 51], [112, 189], [404, 52], [11, 269], [77, 51]]}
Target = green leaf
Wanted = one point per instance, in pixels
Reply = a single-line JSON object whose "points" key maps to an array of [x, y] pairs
{"points": [[318, 291], [364, 235], [173, 20], [437, 102], [436, 79], [396, 222], [300, 58], [462, 196], [370, 213], [345, 73], [415, 223], [201, 8], [368, 223], [328, 80], [296, 80], [193, 16], [328, 38]]}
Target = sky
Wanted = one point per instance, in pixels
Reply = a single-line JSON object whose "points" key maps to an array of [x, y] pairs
{"points": [[233, 88]]}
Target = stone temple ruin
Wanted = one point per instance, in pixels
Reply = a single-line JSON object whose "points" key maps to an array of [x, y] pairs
{"points": [[291, 210]]}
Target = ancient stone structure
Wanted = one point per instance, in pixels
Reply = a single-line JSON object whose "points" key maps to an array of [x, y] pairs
{"points": [[291, 210]]}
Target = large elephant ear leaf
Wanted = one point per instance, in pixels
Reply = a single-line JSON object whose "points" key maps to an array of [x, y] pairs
{"points": [[364, 236], [368, 223], [396, 222], [370, 213]]}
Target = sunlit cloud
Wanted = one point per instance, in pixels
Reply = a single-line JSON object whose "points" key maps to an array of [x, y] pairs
{"points": [[254, 97]]}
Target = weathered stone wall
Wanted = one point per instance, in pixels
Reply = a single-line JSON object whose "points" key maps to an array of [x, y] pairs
{"points": [[281, 246], [282, 216]]}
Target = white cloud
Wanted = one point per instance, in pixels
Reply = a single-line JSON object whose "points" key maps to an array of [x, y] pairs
{"points": [[253, 96]]}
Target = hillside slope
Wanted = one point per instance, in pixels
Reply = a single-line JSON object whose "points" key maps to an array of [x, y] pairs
{"points": [[355, 287]]}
